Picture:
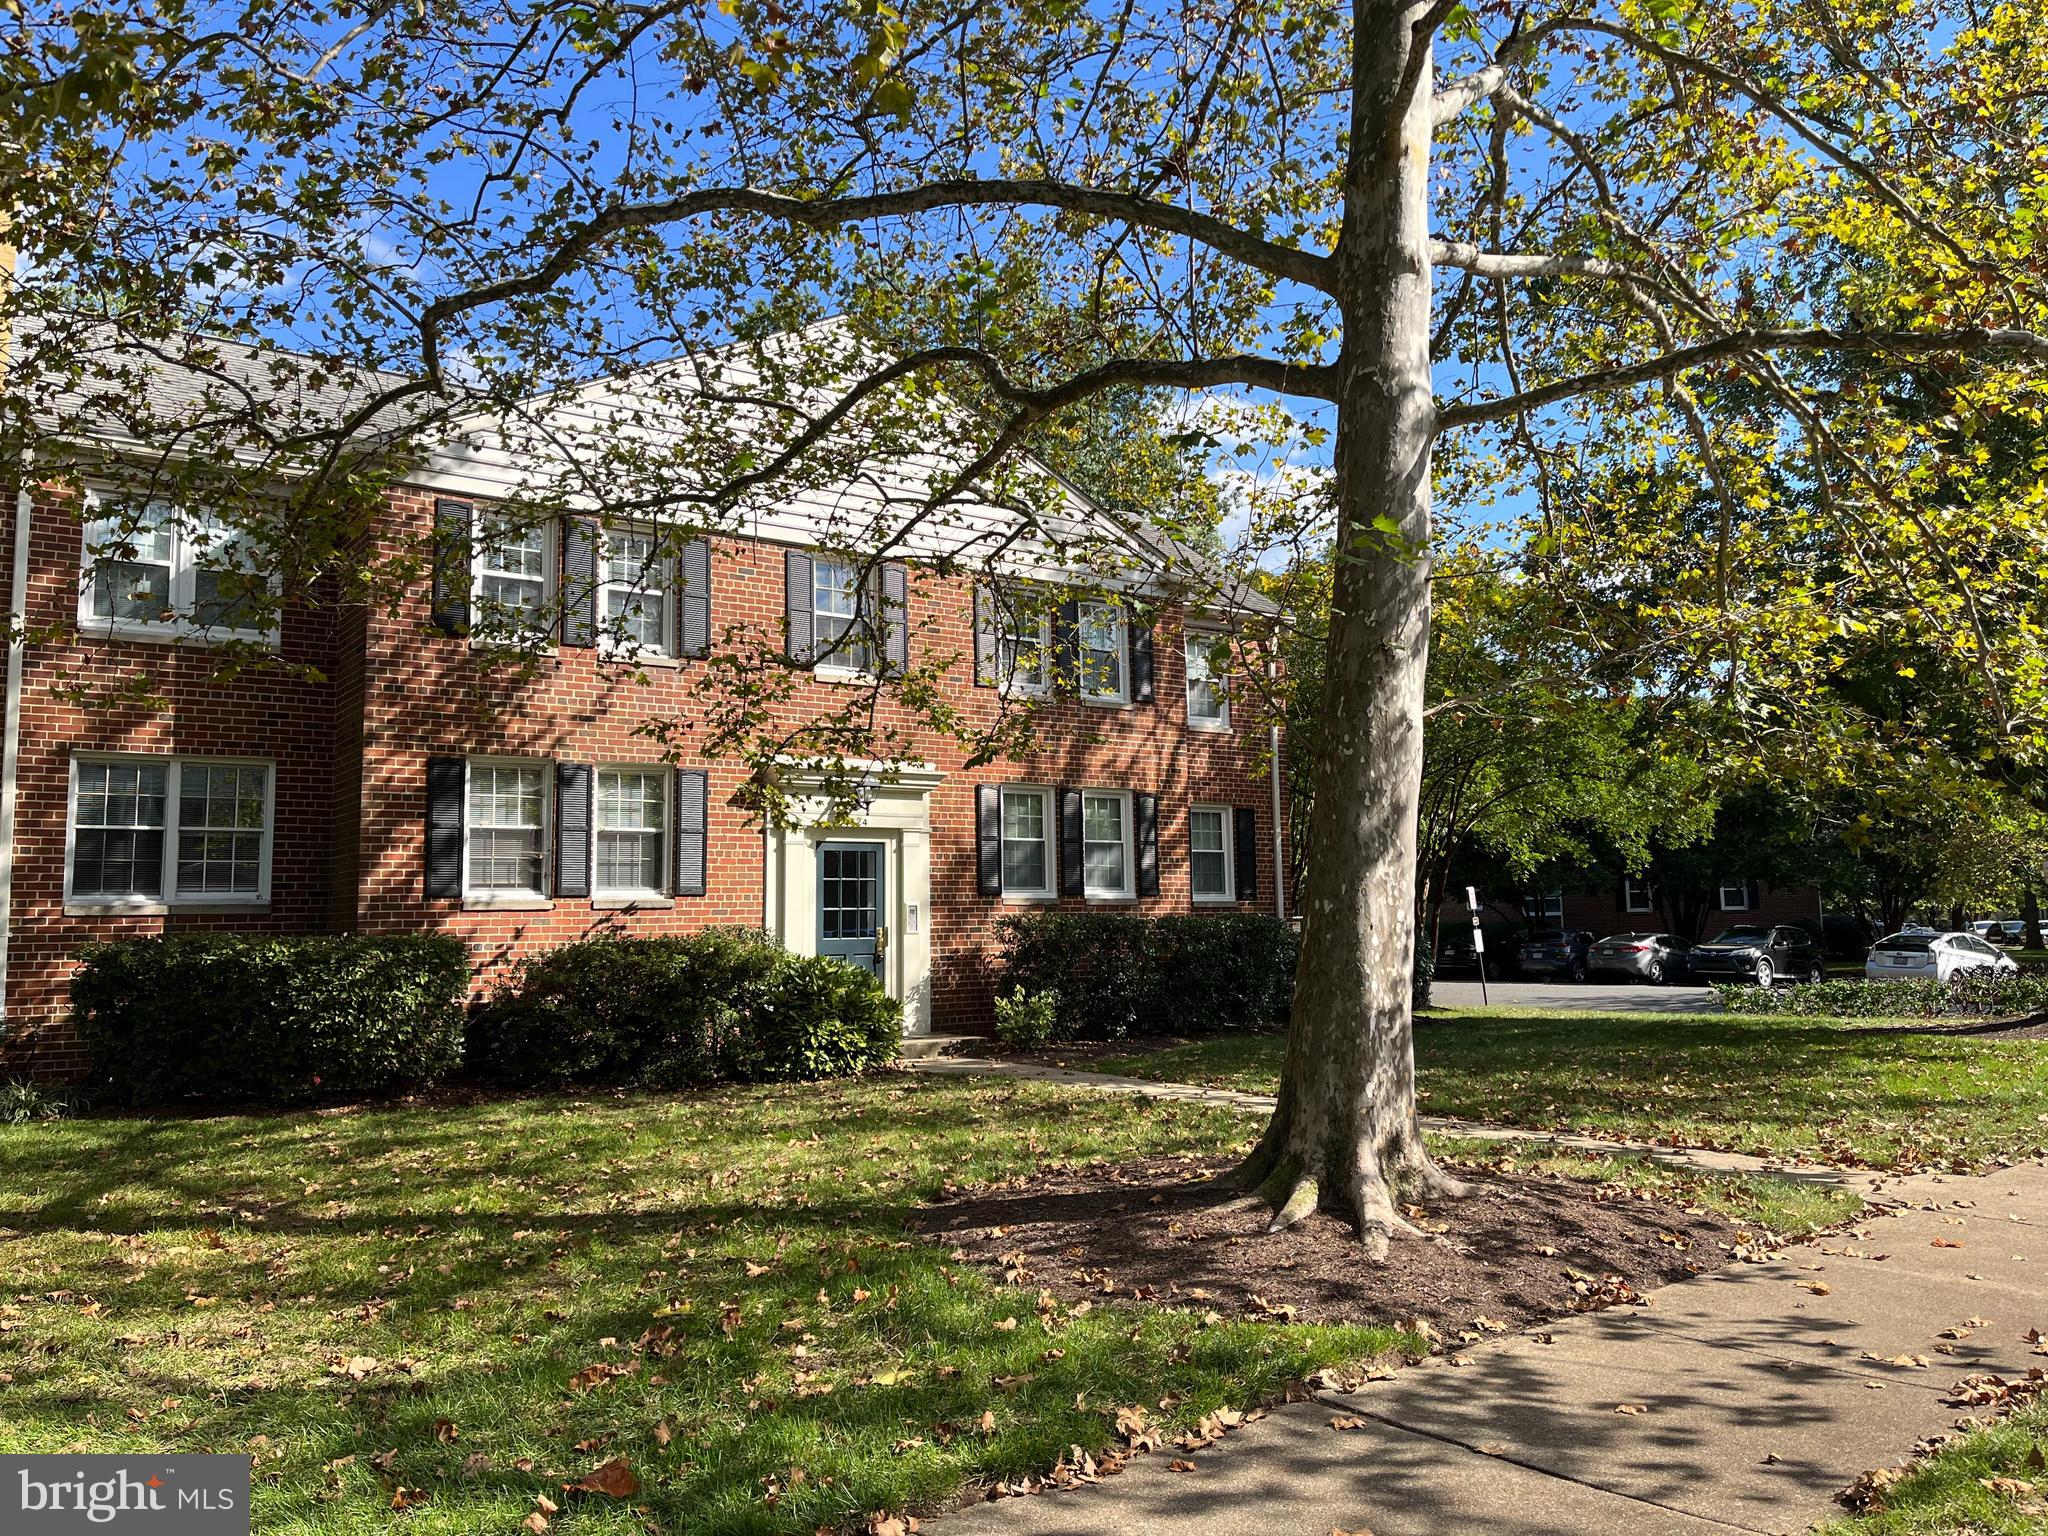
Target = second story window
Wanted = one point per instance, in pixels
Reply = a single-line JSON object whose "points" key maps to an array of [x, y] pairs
{"points": [[633, 609], [153, 569], [840, 605], [1100, 642], [1208, 682], [512, 573], [1024, 651]]}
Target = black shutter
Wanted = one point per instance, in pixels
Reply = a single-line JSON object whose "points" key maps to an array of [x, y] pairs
{"points": [[453, 533], [1145, 824], [1072, 881], [1245, 826], [1141, 661], [799, 620], [988, 824], [572, 829], [895, 615], [693, 599], [447, 778], [691, 830], [1752, 893], [579, 585], [988, 648], [1066, 646]]}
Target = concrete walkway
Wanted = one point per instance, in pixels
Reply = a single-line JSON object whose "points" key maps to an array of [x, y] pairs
{"points": [[1740, 1401]]}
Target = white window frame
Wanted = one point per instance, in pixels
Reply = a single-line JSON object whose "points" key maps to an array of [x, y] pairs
{"points": [[867, 604], [1014, 681], [1741, 902], [171, 899], [550, 577], [1121, 649], [1550, 905], [1129, 889], [1203, 641], [662, 582], [1048, 839], [472, 897], [664, 839], [1636, 895], [1229, 893], [188, 543]]}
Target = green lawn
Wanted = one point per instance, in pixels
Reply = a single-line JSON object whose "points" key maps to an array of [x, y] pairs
{"points": [[1948, 1494], [479, 1303], [1764, 1085]]}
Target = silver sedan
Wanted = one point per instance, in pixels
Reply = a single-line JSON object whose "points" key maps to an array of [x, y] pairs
{"points": [[1651, 957]]}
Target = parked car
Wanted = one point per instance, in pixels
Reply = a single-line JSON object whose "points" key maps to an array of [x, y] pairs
{"points": [[1652, 957], [1556, 952], [1943, 956], [1761, 955], [2009, 931], [1454, 948]]}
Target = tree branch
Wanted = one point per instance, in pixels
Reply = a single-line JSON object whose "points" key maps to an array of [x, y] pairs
{"points": [[1975, 339], [1461, 96], [1470, 258], [1219, 234]]}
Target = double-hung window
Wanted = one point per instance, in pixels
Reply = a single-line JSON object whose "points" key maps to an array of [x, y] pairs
{"points": [[1027, 842], [1209, 853], [1106, 843], [1636, 896], [1208, 682], [841, 608], [166, 831], [632, 831], [150, 568], [505, 830], [513, 571], [1024, 648], [634, 593], [1547, 905], [1100, 639], [1735, 897]]}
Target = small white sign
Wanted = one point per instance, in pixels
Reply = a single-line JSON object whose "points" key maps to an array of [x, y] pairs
{"points": [[910, 918], [1472, 899]]}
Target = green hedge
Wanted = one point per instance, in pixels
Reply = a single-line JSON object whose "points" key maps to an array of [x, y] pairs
{"points": [[1118, 975], [237, 1018], [1968, 997], [727, 1004]]}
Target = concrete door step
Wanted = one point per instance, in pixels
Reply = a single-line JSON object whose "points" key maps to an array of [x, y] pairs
{"points": [[925, 1047]]}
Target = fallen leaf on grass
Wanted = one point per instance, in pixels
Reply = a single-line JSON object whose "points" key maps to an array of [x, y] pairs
{"points": [[547, 1505], [535, 1524], [614, 1479], [882, 1523]]}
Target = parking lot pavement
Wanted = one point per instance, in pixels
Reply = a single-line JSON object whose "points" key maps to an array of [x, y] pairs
{"points": [[1605, 996]]}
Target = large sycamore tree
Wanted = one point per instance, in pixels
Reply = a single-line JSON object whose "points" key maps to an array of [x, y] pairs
{"points": [[1488, 235]]}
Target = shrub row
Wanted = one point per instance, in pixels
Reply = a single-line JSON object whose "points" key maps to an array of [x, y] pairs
{"points": [[1967, 997], [236, 1018], [1113, 975], [240, 1018], [727, 1004]]}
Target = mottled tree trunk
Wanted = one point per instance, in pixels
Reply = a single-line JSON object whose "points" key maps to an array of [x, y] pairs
{"points": [[1345, 1134]]}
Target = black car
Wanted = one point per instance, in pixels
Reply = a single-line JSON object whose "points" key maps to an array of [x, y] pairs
{"points": [[1455, 952], [1762, 955], [1556, 952]]}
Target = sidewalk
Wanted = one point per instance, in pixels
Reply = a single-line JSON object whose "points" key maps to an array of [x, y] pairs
{"points": [[1740, 1401]]}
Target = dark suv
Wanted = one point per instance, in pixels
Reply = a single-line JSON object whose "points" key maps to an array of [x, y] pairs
{"points": [[1762, 955], [1556, 952]]}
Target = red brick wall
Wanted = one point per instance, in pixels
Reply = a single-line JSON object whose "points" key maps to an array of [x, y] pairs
{"points": [[287, 718], [351, 751]]}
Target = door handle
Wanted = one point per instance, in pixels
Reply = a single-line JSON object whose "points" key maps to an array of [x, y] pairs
{"points": [[881, 940]]}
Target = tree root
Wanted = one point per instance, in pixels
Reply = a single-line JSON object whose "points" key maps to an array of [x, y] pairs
{"points": [[1303, 1195]]}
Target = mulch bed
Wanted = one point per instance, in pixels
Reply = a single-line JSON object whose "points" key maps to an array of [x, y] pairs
{"points": [[1520, 1248]]}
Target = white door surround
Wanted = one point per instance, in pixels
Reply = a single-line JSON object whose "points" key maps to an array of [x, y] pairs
{"points": [[895, 811]]}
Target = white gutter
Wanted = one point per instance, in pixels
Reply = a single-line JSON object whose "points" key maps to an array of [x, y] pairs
{"points": [[10, 750]]}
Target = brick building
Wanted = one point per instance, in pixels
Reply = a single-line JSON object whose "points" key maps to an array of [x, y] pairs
{"points": [[391, 779]]}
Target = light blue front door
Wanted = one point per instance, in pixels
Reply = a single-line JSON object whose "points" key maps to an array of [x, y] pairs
{"points": [[852, 902]]}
